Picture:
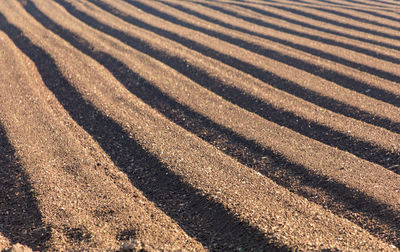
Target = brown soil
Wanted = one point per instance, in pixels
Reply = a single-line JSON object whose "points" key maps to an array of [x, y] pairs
{"points": [[199, 125]]}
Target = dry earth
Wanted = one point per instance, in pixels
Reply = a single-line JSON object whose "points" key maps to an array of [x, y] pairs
{"points": [[225, 125]]}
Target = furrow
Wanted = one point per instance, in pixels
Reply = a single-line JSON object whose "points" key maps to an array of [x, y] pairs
{"points": [[360, 4], [348, 78], [86, 202], [375, 13], [340, 12], [301, 125], [349, 4], [198, 214], [326, 48], [372, 3], [20, 217], [247, 152], [197, 176], [339, 21], [194, 45], [201, 168], [302, 26], [354, 14]]}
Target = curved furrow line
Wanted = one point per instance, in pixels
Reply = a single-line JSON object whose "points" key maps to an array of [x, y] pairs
{"points": [[332, 19], [288, 86], [355, 3], [153, 178], [361, 7], [296, 178], [240, 11], [371, 3], [385, 16], [215, 227], [299, 31], [393, 3], [318, 3], [259, 48], [336, 14], [324, 134], [268, 13], [214, 177], [245, 151], [258, 192], [218, 75], [20, 217], [306, 27], [85, 200], [295, 45], [365, 16], [353, 14], [346, 4], [373, 12], [249, 184]]}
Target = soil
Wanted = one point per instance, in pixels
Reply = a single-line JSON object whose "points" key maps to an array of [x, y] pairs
{"points": [[225, 125]]}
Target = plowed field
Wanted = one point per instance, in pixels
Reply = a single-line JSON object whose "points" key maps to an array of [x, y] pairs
{"points": [[226, 125]]}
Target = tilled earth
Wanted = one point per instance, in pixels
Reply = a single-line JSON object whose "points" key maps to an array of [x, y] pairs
{"points": [[225, 125]]}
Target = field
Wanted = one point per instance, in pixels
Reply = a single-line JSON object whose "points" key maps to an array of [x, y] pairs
{"points": [[226, 125]]}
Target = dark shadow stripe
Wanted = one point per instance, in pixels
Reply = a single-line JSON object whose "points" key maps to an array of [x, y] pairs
{"points": [[369, 4], [279, 83], [351, 7], [380, 15], [362, 149], [329, 75], [311, 50], [341, 4], [20, 217], [354, 17], [336, 196], [287, 86], [198, 214], [338, 10], [319, 28], [327, 9], [337, 23]]}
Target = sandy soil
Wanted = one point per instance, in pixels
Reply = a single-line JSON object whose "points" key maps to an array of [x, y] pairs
{"points": [[226, 125]]}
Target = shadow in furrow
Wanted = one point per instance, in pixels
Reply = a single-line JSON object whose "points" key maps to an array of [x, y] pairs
{"points": [[337, 23], [336, 196], [379, 15], [20, 217], [318, 28], [339, 78], [270, 78], [370, 4], [324, 134], [199, 215], [345, 6], [326, 9], [353, 17]]}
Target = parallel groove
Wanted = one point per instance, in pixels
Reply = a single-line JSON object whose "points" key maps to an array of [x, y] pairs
{"points": [[332, 76], [318, 28], [289, 87], [21, 220], [246, 152], [216, 224], [271, 25], [158, 184], [321, 133]]}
